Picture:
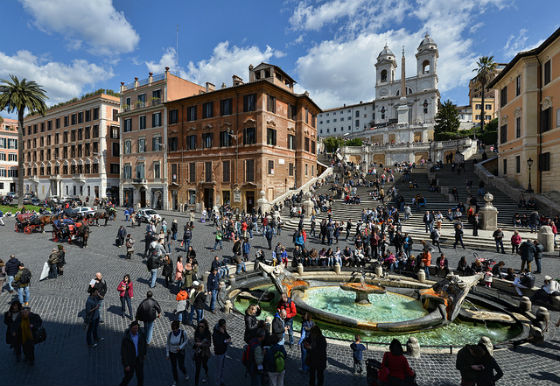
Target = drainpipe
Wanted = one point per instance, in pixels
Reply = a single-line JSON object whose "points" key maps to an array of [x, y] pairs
{"points": [[539, 126]]}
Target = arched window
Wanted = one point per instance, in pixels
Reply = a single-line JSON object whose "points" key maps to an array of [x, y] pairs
{"points": [[426, 67], [425, 105], [383, 112], [384, 76], [398, 92], [408, 91]]}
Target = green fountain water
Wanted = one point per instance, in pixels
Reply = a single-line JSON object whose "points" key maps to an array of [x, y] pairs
{"points": [[389, 307]]}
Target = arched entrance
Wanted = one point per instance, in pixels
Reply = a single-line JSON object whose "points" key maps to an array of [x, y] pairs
{"points": [[157, 199]]}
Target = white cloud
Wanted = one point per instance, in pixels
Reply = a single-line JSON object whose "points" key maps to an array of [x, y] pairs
{"points": [[61, 81], [225, 61], [518, 43], [95, 24], [342, 70]]}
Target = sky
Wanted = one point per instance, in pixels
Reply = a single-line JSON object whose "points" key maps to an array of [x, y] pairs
{"points": [[329, 47]]}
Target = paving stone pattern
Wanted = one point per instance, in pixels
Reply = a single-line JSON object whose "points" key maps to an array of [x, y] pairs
{"points": [[65, 359]]}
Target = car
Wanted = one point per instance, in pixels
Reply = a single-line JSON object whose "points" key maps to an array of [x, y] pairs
{"points": [[146, 215], [35, 201], [85, 210]]}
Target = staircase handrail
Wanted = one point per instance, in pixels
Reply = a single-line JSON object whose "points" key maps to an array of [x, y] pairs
{"points": [[305, 187]]}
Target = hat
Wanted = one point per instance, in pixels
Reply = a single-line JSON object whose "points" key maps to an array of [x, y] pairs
{"points": [[195, 283], [547, 278]]}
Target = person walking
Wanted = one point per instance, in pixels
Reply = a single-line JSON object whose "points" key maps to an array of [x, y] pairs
{"points": [[527, 251], [175, 348], [148, 311], [53, 264], [133, 353], [221, 340], [153, 265], [181, 308], [198, 303], [126, 294], [268, 235], [275, 363], [251, 322], [213, 286], [499, 240], [357, 354], [92, 319], [22, 280], [317, 351], [218, 239], [290, 307], [100, 285], [202, 343], [10, 318], [121, 236], [515, 242], [167, 270], [458, 236], [435, 236], [539, 249], [306, 325], [12, 268], [26, 326]]}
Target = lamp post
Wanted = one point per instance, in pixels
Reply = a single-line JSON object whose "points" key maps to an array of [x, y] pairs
{"points": [[529, 164]]}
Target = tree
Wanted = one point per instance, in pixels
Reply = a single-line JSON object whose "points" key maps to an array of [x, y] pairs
{"points": [[447, 119], [485, 71], [332, 143], [21, 95], [354, 142]]}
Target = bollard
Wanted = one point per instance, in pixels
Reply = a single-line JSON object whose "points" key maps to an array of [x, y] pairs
{"points": [[543, 318], [421, 276], [536, 335], [413, 347], [228, 307], [525, 304], [337, 269], [379, 271], [300, 269], [231, 278]]}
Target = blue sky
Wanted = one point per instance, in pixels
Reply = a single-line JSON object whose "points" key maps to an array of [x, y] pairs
{"points": [[75, 46]]}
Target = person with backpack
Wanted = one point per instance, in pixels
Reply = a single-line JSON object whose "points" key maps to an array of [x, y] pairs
{"points": [[187, 237], [100, 285], [218, 239], [275, 363], [221, 340], [148, 311], [22, 280], [527, 251], [177, 341], [435, 236], [129, 243], [12, 267], [253, 357], [28, 327], [290, 307], [153, 265], [133, 353], [268, 234]]}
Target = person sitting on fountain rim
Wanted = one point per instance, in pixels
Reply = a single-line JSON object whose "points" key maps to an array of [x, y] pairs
{"points": [[550, 289], [289, 307]]}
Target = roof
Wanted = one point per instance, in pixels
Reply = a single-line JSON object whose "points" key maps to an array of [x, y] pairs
{"points": [[524, 54], [386, 51], [426, 41], [276, 69], [348, 106]]}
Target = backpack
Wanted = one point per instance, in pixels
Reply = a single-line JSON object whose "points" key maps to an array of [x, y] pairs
{"points": [[25, 277], [247, 355], [279, 361]]}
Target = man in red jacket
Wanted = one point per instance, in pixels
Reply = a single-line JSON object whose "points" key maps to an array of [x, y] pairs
{"points": [[290, 307]]}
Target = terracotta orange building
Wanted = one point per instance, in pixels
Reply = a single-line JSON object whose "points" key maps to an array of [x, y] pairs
{"points": [[229, 144], [8, 155]]}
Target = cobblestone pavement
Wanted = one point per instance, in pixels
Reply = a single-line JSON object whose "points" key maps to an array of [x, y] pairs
{"points": [[64, 359]]}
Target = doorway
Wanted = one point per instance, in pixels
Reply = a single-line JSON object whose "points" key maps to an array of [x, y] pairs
{"points": [[226, 197], [208, 198], [174, 201], [250, 200], [143, 197]]}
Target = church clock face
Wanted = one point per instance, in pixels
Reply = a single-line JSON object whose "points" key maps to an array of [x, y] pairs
{"points": [[383, 92]]}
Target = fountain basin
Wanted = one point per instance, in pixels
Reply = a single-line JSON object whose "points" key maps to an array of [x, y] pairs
{"points": [[362, 291]]}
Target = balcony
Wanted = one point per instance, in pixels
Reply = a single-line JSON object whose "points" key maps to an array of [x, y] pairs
{"points": [[139, 181], [79, 177]]}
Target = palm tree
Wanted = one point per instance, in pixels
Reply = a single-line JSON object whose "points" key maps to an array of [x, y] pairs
{"points": [[21, 95], [485, 72]]}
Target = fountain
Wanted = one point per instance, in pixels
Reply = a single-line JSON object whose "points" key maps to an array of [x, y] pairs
{"points": [[362, 290]]}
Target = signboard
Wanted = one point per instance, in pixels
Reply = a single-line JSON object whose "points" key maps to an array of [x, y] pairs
{"points": [[237, 195]]}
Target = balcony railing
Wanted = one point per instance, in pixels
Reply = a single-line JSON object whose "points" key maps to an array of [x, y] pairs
{"points": [[141, 105]]}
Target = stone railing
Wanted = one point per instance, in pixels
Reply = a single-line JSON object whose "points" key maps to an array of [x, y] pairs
{"points": [[305, 187]]}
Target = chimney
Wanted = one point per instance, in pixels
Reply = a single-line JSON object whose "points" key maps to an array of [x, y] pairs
{"points": [[135, 81], [210, 87], [224, 85], [150, 77], [237, 81], [166, 72], [122, 87], [251, 73]]}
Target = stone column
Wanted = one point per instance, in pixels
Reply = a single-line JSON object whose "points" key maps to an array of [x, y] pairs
{"points": [[546, 238], [307, 204], [489, 214], [262, 202]]}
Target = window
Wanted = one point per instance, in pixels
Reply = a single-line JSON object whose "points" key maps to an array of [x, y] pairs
{"points": [[56, 139], [156, 143], [96, 113], [173, 116], [306, 144], [12, 172], [292, 113], [208, 171], [12, 143], [95, 168], [225, 138], [95, 132], [114, 132], [127, 126], [477, 117], [48, 140], [191, 142], [88, 115], [156, 97], [73, 119], [505, 166], [488, 107], [80, 117], [141, 100], [226, 106], [357, 114], [208, 110], [174, 173], [116, 149], [156, 119], [487, 117], [226, 169], [249, 136], [477, 106], [306, 115], [73, 135], [12, 157], [173, 143], [141, 145], [127, 104], [547, 72], [191, 113], [517, 127], [65, 121], [207, 140], [86, 133], [57, 123], [291, 170], [49, 125], [384, 76], [503, 134], [192, 172], [357, 123], [305, 169], [2, 156], [518, 164], [157, 170], [270, 167], [271, 137], [142, 122], [249, 102], [544, 162], [271, 103], [313, 147], [518, 85], [503, 97], [292, 142], [546, 119], [127, 147], [140, 171], [249, 170], [114, 169]]}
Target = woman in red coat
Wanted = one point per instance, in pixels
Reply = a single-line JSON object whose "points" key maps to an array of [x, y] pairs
{"points": [[395, 370], [126, 294]]}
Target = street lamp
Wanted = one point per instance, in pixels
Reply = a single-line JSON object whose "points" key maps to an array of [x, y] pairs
{"points": [[529, 164]]}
